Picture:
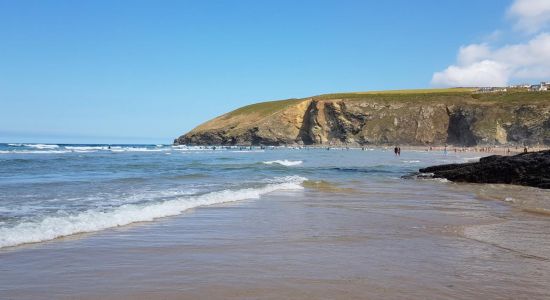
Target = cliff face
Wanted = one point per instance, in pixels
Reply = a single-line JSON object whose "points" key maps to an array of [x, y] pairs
{"points": [[414, 119]]}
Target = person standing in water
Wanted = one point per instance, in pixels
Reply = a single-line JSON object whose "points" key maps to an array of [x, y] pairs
{"points": [[395, 150], [398, 151]]}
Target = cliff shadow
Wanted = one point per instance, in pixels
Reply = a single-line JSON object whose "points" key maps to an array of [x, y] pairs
{"points": [[459, 131], [305, 135]]}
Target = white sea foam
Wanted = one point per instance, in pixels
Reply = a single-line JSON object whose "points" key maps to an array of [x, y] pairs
{"points": [[35, 151], [55, 149], [284, 162], [113, 148], [472, 159], [248, 151], [192, 148], [86, 148], [444, 180], [41, 146], [430, 176], [134, 149], [94, 220]]}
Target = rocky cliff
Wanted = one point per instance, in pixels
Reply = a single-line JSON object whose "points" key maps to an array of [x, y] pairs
{"points": [[424, 117]]}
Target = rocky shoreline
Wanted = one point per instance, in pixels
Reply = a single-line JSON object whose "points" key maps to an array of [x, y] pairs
{"points": [[529, 169]]}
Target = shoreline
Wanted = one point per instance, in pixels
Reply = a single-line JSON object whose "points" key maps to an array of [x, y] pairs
{"points": [[488, 149], [265, 249]]}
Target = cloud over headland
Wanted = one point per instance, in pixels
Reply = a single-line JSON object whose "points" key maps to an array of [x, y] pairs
{"points": [[487, 65]]}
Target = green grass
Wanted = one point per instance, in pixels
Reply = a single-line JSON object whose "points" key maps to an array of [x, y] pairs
{"points": [[444, 95], [514, 96], [449, 95], [422, 91], [264, 108], [403, 92]]}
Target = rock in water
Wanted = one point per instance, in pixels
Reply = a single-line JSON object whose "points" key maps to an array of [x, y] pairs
{"points": [[531, 169]]}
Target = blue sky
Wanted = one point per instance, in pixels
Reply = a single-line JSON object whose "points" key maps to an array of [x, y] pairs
{"points": [[148, 71]]}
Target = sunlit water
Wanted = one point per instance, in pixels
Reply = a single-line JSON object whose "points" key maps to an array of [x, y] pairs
{"points": [[191, 222]]}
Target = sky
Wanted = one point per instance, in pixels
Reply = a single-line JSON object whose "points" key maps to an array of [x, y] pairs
{"points": [[149, 71]]}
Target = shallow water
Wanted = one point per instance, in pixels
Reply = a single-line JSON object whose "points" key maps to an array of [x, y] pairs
{"points": [[279, 223]]}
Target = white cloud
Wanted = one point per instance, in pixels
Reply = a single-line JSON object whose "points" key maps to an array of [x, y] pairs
{"points": [[536, 52], [483, 65], [473, 53], [483, 73], [530, 15]]}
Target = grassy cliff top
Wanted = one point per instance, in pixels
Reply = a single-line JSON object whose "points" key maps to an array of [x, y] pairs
{"points": [[449, 95], [421, 92], [263, 108]]}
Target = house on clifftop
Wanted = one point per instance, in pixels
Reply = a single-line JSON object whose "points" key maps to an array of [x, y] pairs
{"points": [[542, 87], [491, 89]]}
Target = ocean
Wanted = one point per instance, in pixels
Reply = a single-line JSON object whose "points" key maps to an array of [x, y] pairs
{"points": [[143, 221]]}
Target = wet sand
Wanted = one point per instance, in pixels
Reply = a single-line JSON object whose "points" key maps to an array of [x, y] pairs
{"points": [[391, 239]]}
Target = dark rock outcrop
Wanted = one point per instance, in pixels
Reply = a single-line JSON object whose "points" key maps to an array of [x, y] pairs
{"points": [[531, 169]]}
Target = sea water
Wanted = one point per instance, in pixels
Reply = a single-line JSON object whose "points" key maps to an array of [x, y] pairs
{"points": [[49, 191], [294, 221]]}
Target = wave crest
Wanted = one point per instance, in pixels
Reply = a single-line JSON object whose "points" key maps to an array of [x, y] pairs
{"points": [[93, 220], [41, 146], [284, 162]]}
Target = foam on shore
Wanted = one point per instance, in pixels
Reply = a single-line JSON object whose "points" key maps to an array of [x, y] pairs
{"points": [[94, 220]]}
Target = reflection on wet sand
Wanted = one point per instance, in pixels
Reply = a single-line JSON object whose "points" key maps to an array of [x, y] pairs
{"points": [[407, 240], [327, 187]]}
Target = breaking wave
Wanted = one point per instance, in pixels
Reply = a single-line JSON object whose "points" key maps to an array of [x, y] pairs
{"points": [[40, 146], [284, 162], [95, 220]]}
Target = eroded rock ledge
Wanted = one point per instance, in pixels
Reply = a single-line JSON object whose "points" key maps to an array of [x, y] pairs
{"points": [[530, 169]]}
